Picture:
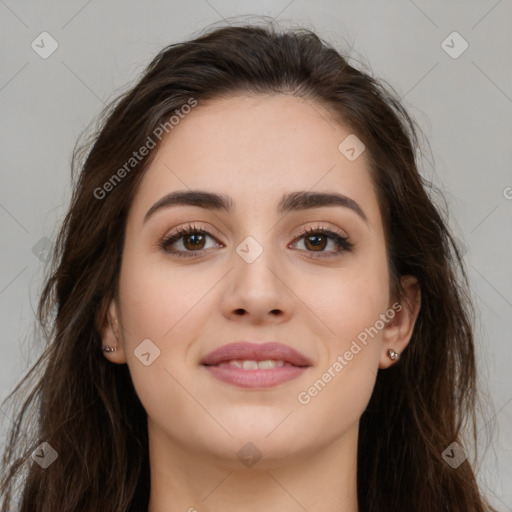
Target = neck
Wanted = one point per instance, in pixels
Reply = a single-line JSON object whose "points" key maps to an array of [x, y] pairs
{"points": [[322, 479]]}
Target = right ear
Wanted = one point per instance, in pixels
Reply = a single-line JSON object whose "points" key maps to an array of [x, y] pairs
{"points": [[111, 335]]}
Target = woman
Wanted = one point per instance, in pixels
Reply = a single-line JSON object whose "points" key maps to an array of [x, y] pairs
{"points": [[257, 304]]}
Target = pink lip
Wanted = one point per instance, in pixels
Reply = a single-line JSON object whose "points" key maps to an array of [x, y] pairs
{"points": [[245, 350], [260, 378]]}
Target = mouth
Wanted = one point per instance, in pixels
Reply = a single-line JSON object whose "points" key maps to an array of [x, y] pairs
{"points": [[248, 364], [255, 365]]}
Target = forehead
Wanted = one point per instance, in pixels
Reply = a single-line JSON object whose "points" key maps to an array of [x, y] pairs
{"points": [[255, 149]]}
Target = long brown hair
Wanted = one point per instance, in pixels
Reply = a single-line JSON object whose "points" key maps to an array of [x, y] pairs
{"points": [[86, 408]]}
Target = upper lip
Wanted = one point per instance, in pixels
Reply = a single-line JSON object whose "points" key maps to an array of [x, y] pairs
{"points": [[250, 351]]}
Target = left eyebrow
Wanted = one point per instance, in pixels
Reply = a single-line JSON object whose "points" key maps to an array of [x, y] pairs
{"points": [[293, 201]]}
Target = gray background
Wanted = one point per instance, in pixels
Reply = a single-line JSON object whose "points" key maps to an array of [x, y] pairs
{"points": [[462, 104]]}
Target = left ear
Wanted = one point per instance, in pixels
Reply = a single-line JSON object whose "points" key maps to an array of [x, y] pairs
{"points": [[398, 330]]}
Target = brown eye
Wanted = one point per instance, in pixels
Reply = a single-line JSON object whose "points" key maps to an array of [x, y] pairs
{"points": [[316, 242], [194, 241], [191, 238]]}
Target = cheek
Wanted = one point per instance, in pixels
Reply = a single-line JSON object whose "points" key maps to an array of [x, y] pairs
{"points": [[343, 383], [352, 300], [167, 307], [157, 308], [157, 300]]}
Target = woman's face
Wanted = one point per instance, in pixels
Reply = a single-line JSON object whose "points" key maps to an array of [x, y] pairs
{"points": [[249, 272]]}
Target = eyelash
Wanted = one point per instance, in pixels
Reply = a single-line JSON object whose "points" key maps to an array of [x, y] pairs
{"points": [[339, 238]]}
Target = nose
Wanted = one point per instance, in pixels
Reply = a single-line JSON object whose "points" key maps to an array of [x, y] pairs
{"points": [[257, 289]]}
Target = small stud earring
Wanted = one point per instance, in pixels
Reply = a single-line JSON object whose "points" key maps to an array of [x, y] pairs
{"points": [[393, 355], [106, 348]]}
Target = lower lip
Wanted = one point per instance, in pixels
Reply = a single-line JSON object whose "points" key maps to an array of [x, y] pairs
{"points": [[256, 378]]}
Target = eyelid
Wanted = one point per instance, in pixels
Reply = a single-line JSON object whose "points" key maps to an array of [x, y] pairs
{"points": [[319, 226], [199, 226], [301, 231]]}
